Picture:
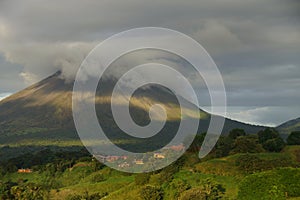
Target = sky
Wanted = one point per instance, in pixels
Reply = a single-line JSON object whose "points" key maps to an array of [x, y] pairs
{"points": [[255, 44]]}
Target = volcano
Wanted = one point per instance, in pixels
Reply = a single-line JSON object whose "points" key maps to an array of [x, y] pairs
{"points": [[42, 113]]}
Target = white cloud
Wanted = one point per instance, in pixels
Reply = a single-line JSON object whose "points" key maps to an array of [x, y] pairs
{"points": [[268, 116], [4, 95], [29, 78]]}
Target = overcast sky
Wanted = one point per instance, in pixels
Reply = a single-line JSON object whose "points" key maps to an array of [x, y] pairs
{"points": [[255, 44]]}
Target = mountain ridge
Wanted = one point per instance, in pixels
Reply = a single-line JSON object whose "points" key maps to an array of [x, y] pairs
{"points": [[289, 126]]}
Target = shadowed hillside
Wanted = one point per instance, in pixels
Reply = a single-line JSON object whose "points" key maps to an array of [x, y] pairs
{"points": [[42, 112], [286, 128]]}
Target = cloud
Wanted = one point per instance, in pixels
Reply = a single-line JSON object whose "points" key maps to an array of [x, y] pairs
{"points": [[4, 95], [43, 37], [29, 78], [254, 43], [270, 116], [217, 37]]}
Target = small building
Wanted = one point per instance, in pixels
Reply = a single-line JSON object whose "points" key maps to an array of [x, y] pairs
{"points": [[179, 147], [103, 158], [159, 155], [124, 165], [112, 158], [139, 162], [25, 171], [115, 158]]}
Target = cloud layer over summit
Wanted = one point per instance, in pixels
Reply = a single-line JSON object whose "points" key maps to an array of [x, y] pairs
{"points": [[256, 44]]}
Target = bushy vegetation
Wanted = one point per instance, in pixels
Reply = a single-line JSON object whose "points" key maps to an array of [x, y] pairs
{"points": [[294, 138], [22, 190], [150, 192], [177, 187], [208, 190], [271, 140], [250, 163], [86, 196], [276, 184], [238, 164], [246, 144]]}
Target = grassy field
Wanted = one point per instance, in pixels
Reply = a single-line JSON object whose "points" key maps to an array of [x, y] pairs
{"points": [[81, 179]]}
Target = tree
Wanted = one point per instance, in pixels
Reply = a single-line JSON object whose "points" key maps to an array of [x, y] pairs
{"points": [[266, 134], [294, 138], [246, 144], [271, 140], [223, 146], [234, 133], [274, 145]]}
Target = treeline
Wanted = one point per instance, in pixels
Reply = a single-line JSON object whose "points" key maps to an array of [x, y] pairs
{"points": [[237, 141], [44, 160]]}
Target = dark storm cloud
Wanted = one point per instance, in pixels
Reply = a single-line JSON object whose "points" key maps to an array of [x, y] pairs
{"points": [[256, 44]]}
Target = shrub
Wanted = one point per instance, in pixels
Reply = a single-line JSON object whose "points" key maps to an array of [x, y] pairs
{"points": [[290, 179], [274, 145], [167, 173], [223, 146], [193, 194], [234, 133], [261, 186], [249, 163], [246, 144], [294, 138], [267, 134], [209, 190], [177, 187], [271, 140], [29, 191], [149, 192], [276, 184], [5, 189]]}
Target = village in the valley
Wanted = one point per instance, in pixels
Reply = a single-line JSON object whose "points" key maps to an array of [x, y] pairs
{"points": [[124, 161]]}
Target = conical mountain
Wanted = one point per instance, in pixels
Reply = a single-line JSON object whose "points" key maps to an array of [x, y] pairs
{"points": [[42, 113]]}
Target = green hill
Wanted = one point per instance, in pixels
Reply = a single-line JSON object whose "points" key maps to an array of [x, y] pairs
{"points": [[83, 178], [286, 128]]}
